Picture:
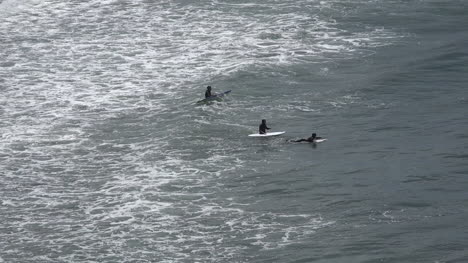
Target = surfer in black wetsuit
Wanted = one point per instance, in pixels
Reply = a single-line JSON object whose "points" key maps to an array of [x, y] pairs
{"points": [[208, 92], [310, 139], [263, 127]]}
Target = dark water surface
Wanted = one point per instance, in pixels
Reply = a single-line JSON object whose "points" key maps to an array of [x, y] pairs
{"points": [[105, 156]]}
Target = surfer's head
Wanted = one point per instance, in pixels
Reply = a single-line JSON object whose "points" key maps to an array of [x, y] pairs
{"points": [[314, 135], [263, 121], [208, 88]]}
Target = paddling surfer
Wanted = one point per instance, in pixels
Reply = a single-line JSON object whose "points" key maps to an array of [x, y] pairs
{"points": [[208, 92], [312, 138], [263, 127]]}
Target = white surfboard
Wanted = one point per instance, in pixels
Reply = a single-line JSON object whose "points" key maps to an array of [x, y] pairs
{"points": [[320, 140], [268, 134]]}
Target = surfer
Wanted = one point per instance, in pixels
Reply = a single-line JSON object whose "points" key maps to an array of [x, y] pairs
{"points": [[312, 138], [208, 92], [263, 127]]}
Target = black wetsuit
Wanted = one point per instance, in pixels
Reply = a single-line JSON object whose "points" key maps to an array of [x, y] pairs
{"points": [[262, 129], [302, 140], [207, 94], [310, 139]]}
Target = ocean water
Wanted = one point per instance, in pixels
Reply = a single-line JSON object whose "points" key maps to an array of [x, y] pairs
{"points": [[106, 157]]}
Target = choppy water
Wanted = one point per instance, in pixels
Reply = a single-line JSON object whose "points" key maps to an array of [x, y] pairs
{"points": [[105, 157]]}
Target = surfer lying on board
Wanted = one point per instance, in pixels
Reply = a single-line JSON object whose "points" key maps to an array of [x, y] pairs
{"points": [[208, 92], [312, 138], [263, 127]]}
